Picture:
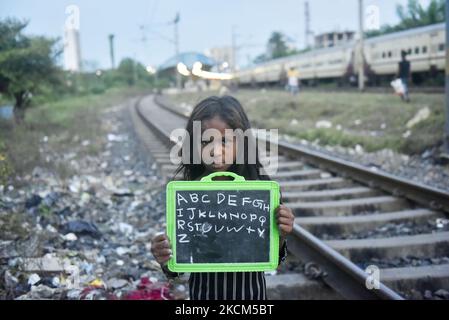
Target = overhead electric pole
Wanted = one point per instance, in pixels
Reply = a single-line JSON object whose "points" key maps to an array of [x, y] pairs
{"points": [[234, 49], [111, 49], [361, 45], [178, 75]]}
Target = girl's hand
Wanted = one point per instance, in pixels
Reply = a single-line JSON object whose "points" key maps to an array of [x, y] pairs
{"points": [[161, 248], [285, 220]]}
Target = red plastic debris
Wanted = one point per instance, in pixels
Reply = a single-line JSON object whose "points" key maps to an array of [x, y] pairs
{"points": [[147, 290]]}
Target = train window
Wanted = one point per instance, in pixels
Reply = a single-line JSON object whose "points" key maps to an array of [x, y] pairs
{"points": [[417, 50], [424, 49], [409, 51], [441, 47], [389, 54], [384, 55]]}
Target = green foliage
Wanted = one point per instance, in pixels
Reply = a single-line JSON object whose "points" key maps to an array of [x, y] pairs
{"points": [[28, 71], [129, 73], [61, 120], [277, 45], [94, 83], [25, 62], [373, 120], [414, 15], [277, 48]]}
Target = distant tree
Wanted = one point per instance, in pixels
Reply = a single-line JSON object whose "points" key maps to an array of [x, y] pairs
{"points": [[127, 71], [261, 58], [130, 71], [385, 29], [26, 63], [414, 15], [277, 47]]}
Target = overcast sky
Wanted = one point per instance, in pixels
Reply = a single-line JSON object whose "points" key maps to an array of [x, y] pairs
{"points": [[203, 24]]}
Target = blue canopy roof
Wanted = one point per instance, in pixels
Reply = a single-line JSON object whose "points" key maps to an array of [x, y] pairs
{"points": [[188, 58]]}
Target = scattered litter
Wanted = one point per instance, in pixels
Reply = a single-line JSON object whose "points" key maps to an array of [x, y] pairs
{"points": [[33, 279], [420, 116], [323, 124]]}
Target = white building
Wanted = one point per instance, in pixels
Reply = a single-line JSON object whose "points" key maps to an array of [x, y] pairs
{"points": [[72, 50], [333, 39]]}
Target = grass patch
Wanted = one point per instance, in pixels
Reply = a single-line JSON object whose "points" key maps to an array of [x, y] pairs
{"points": [[6, 168], [66, 122], [373, 120]]}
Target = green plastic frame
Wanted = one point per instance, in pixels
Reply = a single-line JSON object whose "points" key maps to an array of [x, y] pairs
{"points": [[207, 183]]}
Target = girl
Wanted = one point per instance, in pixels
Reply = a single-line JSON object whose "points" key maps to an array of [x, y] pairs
{"points": [[223, 113]]}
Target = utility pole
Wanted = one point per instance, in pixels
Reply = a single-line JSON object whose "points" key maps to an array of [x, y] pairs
{"points": [[446, 135], [135, 76], [234, 49], [307, 20], [178, 75], [111, 49], [361, 45]]}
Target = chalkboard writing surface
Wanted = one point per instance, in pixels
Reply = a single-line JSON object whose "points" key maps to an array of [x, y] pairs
{"points": [[223, 226]]}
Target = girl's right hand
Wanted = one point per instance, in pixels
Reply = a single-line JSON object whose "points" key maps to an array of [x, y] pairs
{"points": [[161, 248]]}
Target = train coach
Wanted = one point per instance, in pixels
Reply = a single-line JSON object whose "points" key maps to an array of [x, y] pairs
{"points": [[425, 47]]}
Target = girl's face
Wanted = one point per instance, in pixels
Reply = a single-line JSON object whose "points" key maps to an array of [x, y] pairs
{"points": [[226, 148]]}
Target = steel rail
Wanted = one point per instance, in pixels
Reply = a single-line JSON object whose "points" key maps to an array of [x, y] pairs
{"points": [[335, 270], [434, 198]]}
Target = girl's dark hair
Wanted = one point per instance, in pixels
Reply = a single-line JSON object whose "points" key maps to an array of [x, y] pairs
{"points": [[230, 111]]}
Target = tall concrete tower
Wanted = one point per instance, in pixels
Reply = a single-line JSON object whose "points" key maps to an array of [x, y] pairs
{"points": [[72, 48]]}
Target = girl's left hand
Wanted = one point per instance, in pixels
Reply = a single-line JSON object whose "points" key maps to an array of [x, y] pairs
{"points": [[285, 220]]}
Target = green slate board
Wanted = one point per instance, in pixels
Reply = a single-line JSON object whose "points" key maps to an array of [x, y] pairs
{"points": [[223, 226]]}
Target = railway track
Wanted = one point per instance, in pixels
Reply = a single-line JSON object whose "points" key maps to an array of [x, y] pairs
{"points": [[348, 219]]}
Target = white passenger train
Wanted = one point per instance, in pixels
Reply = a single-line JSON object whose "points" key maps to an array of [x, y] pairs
{"points": [[425, 47]]}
